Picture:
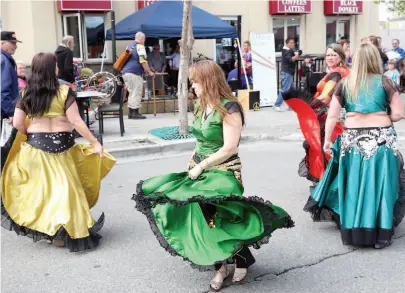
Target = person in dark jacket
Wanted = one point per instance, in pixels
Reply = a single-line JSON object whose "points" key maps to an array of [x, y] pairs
{"points": [[9, 80], [288, 65], [384, 58], [64, 56]]}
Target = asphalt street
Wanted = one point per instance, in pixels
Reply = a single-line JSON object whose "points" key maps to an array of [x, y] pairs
{"points": [[307, 258]]}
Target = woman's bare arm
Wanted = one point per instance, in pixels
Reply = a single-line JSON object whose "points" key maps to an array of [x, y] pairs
{"points": [[72, 114], [19, 120], [332, 119]]}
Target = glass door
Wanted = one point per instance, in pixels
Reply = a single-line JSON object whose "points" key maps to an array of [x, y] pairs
{"points": [[225, 51], [72, 26]]}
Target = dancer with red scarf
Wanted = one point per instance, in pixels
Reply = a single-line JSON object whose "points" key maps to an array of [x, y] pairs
{"points": [[312, 113]]}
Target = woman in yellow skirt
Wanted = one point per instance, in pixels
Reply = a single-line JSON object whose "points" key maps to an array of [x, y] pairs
{"points": [[49, 183]]}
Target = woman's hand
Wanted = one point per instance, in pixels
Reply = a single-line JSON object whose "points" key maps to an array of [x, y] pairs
{"points": [[195, 172], [327, 147], [98, 149]]}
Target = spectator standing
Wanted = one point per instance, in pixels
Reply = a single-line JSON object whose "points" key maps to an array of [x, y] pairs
{"points": [[288, 66], [64, 57], [133, 72], [9, 80], [392, 72], [397, 49], [157, 60], [22, 79]]}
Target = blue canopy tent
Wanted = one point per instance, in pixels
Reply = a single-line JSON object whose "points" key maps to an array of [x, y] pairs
{"points": [[163, 19]]}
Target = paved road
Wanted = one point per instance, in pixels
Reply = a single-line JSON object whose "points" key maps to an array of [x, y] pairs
{"points": [[307, 258]]}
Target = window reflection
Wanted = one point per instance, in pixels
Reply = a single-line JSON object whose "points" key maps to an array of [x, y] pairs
{"points": [[337, 29], [286, 27], [95, 32]]}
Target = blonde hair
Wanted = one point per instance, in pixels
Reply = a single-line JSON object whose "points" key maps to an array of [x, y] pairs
{"points": [[214, 86], [366, 62], [66, 40]]}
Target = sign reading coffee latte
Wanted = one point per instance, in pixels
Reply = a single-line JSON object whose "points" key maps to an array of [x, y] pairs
{"points": [[347, 7], [290, 6]]}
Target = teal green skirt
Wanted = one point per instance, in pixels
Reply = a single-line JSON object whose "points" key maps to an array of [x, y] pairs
{"points": [[208, 220], [363, 187]]}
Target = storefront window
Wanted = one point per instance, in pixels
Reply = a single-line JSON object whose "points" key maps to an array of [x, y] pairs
{"points": [[286, 27], [225, 51], [88, 32], [95, 36], [337, 29]]}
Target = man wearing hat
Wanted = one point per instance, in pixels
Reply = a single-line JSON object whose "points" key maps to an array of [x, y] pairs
{"points": [[9, 80]]}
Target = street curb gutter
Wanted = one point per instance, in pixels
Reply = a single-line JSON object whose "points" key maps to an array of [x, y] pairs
{"points": [[184, 145], [161, 147]]}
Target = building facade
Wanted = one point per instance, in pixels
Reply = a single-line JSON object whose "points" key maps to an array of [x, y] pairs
{"points": [[313, 24]]}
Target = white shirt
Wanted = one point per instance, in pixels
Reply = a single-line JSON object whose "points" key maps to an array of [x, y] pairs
{"points": [[175, 62]]}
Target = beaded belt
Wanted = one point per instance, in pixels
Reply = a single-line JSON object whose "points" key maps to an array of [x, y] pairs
{"points": [[56, 142]]}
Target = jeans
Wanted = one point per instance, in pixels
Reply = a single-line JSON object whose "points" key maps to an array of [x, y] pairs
{"points": [[287, 83]]}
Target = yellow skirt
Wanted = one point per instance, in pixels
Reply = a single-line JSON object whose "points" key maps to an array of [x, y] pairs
{"points": [[49, 196]]}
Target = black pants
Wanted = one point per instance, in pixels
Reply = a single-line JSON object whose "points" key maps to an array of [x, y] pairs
{"points": [[243, 258]]}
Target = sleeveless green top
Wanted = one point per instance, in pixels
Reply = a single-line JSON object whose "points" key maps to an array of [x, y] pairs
{"points": [[376, 96], [209, 132]]}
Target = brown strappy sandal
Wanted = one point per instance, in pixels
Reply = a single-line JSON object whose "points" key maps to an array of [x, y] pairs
{"points": [[239, 276], [216, 286]]}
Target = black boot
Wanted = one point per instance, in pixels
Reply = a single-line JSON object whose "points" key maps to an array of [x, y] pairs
{"points": [[130, 113], [136, 115]]}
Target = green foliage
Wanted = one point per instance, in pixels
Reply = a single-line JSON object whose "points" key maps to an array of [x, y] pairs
{"points": [[397, 6]]}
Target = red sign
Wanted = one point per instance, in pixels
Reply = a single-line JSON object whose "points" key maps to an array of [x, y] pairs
{"points": [[89, 5], [348, 7], [145, 3], [290, 6]]}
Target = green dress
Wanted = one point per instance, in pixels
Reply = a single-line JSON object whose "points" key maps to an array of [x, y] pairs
{"points": [[363, 187], [208, 220]]}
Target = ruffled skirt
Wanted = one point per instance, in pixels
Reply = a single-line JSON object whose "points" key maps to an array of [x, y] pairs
{"points": [[311, 114], [49, 184], [363, 188], [208, 220]]}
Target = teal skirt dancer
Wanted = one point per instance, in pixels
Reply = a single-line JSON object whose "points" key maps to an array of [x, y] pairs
{"points": [[363, 187]]}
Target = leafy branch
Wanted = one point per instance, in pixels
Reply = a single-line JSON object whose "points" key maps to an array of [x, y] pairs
{"points": [[396, 6]]}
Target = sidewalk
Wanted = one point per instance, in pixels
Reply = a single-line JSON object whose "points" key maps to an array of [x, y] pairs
{"points": [[266, 124]]}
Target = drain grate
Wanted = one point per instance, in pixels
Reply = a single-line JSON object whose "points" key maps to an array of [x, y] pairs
{"points": [[170, 133]]}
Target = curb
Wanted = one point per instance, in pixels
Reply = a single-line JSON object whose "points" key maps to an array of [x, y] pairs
{"points": [[161, 147]]}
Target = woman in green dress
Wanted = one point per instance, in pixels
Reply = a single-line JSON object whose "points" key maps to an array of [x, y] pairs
{"points": [[362, 189], [202, 215]]}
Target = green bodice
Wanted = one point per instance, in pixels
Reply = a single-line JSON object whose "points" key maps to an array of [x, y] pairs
{"points": [[209, 132], [372, 98]]}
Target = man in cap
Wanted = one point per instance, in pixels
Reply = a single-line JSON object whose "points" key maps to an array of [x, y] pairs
{"points": [[9, 80]]}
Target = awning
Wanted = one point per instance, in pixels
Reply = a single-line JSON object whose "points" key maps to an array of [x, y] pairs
{"points": [[164, 19]]}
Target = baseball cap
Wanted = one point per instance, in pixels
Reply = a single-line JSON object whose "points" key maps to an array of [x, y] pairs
{"points": [[9, 36]]}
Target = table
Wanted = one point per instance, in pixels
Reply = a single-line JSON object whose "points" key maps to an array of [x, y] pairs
{"points": [[87, 96], [90, 94]]}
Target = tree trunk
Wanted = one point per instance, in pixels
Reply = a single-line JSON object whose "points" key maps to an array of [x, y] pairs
{"points": [[186, 45]]}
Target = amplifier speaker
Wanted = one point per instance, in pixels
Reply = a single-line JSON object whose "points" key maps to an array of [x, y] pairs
{"points": [[250, 100]]}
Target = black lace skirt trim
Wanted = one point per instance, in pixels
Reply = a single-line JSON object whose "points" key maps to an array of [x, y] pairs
{"points": [[321, 214], [75, 245], [145, 206], [379, 238]]}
